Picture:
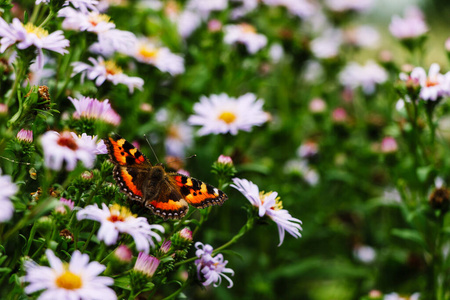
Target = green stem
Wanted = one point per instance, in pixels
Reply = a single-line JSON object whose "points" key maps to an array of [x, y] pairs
{"points": [[30, 239], [49, 17], [86, 243], [174, 294], [35, 14]]}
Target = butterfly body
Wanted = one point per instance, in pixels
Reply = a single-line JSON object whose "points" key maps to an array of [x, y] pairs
{"points": [[166, 194]]}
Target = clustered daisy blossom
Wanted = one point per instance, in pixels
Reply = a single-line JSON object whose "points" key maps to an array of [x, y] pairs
{"points": [[8, 189], [68, 148], [93, 109], [221, 114], [118, 219], [25, 36], [269, 204], [365, 76], [211, 269], [102, 71], [246, 34], [76, 280], [433, 85]]}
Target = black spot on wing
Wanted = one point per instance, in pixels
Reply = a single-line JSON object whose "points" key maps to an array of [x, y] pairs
{"points": [[130, 160]]}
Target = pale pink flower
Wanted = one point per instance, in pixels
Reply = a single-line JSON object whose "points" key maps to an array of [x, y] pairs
{"points": [[63, 205], [434, 85], [25, 136], [411, 26], [389, 145], [146, 264], [123, 253], [223, 159], [93, 109], [317, 106]]}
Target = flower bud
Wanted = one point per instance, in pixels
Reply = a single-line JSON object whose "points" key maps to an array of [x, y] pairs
{"points": [[123, 254], [182, 239], [440, 199], [25, 136]]}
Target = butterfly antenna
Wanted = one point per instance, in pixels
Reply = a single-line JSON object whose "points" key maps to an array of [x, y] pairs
{"points": [[154, 153]]}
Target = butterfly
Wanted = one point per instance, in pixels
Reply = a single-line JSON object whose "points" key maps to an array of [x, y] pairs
{"points": [[166, 194]]}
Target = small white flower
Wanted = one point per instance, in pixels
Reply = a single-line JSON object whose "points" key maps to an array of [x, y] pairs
{"points": [[8, 189], [245, 34], [276, 52], [118, 219], [147, 52], [362, 36], [221, 114], [179, 138], [246, 7], [327, 45], [411, 26], [364, 253], [25, 36], [395, 296], [77, 280], [205, 7], [69, 148], [300, 8], [269, 204], [187, 22], [433, 86], [365, 76], [302, 168], [102, 71]]}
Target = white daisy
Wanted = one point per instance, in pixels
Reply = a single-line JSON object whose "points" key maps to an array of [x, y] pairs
{"points": [[269, 204], [434, 85], [300, 8], [205, 7], [67, 147], [147, 52], [77, 280], [102, 71], [327, 45], [187, 22], [118, 219], [8, 189], [25, 36], [100, 144], [246, 34], [349, 5], [222, 114]]}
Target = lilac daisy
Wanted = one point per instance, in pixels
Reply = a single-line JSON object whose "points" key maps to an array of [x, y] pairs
{"points": [[118, 219], [269, 204], [76, 280], [102, 71], [25, 36], [93, 109], [211, 269]]}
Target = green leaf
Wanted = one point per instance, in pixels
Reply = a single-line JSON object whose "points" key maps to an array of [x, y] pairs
{"points": [[123, 282], [409, 235], [424, 172]]}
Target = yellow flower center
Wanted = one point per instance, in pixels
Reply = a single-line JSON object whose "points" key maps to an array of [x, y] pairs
{"points": [[69, 281], [278, 203], [112, 68], [248, 28], [38, 31], [119, 213], [227, 116], [148, 51], [96, 18]]}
